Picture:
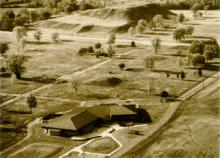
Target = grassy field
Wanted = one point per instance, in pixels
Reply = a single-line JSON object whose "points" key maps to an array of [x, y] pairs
{"points": [[38, 150], [103, 145], [195, 124]]}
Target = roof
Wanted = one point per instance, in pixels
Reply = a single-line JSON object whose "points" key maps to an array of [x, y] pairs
{"points": [[72, 121], [121, 110], [106, 111]]}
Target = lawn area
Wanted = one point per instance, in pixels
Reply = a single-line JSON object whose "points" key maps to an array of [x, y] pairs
{"points": [[135, 78], [103, 145], [9, 137], [38, 151], [195, 124]]}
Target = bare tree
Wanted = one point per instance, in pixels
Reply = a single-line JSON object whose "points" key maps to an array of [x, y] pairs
{"points": [[75, 85], [156, 43], [111, 39]]}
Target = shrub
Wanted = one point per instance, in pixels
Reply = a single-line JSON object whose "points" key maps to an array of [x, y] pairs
{"points": [[82, 51], [189, 30], [90, 49], [114, 81], [31, 101], [180, 17], [3, 48], [133, 44], [55, 37], [2, 69], [164, 94], [182, 75], [198, 60], [15, 63], [179, 34], [98, 45], [121, 66], [37, 35], [45, 14]]}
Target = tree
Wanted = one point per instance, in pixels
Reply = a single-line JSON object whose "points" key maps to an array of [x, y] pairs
{"points": [[179, 34], [131, 31], [141, 26], [200, 72], [110, 50], [195, 7], [22, 44], [156, 43], [45, 14], [14, 63], [82, 51], [7, 21], [111, 39], [75, 85], [3, 48], [198, 60], [55, 37], [133, 44], [149, 62], [209, 54], [34, 16], [98, 45], [37, 35], [206, 7], [21, 19], [197, 47], [31, 101], [180, 17], [20, 32], [189, 30], [182, 75], [166, 26], [157, 19], [180, 63], [121, 66]]}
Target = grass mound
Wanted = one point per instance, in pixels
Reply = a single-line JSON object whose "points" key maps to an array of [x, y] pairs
{"points": [[106, 81], [110, 19], [131, 14]]}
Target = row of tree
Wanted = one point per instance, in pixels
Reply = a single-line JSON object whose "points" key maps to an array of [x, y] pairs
{"points": [[9, 20]]}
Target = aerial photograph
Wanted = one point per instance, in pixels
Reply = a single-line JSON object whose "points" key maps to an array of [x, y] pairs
{"points": [[109, 79]]}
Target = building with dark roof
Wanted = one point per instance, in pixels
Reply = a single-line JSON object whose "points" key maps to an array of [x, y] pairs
{"points": [[84, 120]]}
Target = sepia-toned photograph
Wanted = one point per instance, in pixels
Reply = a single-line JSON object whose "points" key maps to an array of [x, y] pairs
{"points": [[109, 79]]}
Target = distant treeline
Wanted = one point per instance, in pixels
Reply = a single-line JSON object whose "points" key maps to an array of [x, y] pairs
{"points": [[187, 4]]}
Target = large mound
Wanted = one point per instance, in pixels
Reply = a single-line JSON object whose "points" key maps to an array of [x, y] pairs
{"points": [[108, 19], [131, 14]]}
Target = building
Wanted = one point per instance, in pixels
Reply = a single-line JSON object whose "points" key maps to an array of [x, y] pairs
{"points": [[84, 120]]}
